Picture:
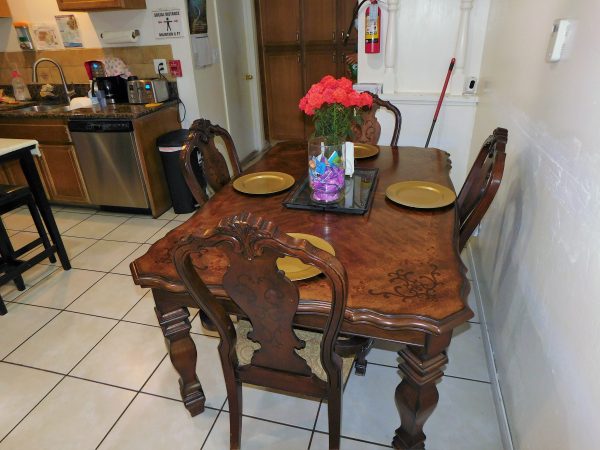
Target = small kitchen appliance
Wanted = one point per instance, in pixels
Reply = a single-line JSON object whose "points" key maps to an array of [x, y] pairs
{"points": [[115, 88], [147, 91]]}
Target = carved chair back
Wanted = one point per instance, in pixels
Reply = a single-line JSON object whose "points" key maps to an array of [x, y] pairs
{"points": [[369, 130], [270, 301], [481, 184], [203, 165]]}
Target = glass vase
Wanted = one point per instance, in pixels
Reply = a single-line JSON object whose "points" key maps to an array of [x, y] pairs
{"points": [[326, 168]]}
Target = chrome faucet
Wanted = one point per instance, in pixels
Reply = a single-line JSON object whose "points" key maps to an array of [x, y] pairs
{"points": [[68, 92]]}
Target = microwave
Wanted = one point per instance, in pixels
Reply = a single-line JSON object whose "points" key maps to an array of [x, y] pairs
{"points": [[147, 91]]}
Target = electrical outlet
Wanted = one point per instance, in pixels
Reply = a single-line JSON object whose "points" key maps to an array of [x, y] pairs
{"points": [[160, 66]]}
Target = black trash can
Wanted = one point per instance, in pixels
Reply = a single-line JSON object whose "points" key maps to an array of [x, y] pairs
{"points": [[169, 145]]}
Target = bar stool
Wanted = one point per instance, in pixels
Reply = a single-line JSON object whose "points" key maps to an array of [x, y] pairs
{"points": [[12, 268]]}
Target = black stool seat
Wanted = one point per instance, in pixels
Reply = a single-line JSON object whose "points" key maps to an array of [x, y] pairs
{"points": [[11, 268]]}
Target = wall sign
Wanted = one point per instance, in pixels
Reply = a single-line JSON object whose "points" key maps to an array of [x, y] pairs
{"points": [[167, 23]]}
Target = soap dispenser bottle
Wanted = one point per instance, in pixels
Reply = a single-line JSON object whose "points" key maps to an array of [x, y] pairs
{"points": [[20, 90]]}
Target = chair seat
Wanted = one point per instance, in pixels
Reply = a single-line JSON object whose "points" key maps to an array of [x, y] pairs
{"points": [[311, 353]]}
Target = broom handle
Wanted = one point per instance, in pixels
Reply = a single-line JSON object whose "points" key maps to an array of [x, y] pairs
{"points": [[441, 100]]}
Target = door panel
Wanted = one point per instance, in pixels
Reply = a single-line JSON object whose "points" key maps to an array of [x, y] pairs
{"points": [[61, 170], [283, 77], [318, 21], [280, 21], [344, 16], [317, 64]]}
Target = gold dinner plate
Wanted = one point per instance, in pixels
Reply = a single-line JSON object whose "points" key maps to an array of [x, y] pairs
{"points": [[365, 150], [295, 269], [420, 194], [263, 183]]}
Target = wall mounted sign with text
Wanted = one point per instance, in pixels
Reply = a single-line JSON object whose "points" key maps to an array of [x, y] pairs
{"points": [[167, 23]]}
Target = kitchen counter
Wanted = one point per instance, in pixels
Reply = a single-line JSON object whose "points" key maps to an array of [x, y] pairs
{"points": [[118, 111]]}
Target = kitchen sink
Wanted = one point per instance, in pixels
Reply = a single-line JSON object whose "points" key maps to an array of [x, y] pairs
{"points": [[44, 108]]}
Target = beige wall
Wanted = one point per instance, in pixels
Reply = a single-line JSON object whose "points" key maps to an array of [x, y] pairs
{"points": [[538, 254], [138, 59]]}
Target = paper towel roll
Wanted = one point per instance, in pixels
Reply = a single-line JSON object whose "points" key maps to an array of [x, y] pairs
{"points": [[120, 37]]}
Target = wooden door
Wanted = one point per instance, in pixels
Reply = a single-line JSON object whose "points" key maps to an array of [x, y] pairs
{"points": [[63, 175], [13, 174], [4, 9], [318, 22], [279, 21], [91, 5], [318, 62], [345, 8], [283, 91]]}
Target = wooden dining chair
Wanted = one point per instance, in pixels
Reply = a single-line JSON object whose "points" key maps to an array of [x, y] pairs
{"points": [[369, 131], [481, 184], [269, 300], [204, 167]]}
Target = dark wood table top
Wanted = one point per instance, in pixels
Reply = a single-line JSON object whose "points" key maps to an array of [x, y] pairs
{"points": [[404, 269]]}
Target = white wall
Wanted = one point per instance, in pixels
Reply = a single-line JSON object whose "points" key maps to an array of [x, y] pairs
{"points": [[426, 33], [426, 37], [539, 250]]}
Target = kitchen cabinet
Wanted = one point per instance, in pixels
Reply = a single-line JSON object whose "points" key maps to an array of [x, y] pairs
{"points": [[99, 5], [61, 171], [58, 166], [4, 9], [308, 35]]}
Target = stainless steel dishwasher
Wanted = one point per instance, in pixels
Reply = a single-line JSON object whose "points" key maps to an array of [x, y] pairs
{"points": [[107, 154]]}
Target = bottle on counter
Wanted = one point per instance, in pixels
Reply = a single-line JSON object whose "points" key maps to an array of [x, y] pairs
{"points": [[20, 90]]}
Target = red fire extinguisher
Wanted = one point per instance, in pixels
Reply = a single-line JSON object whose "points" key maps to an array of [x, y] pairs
{"points": [[372, 27]]}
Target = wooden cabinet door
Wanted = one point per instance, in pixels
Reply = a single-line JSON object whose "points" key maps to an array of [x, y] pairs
{"points": [[4, 9], [317, 63], [11, 173], [283, 86], [63, 175], [345, 8], [91, 5], [319, 22], [279, 21]]}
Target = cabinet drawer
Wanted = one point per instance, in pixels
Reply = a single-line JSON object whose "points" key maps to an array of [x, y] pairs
{"points": [[45, 134]]}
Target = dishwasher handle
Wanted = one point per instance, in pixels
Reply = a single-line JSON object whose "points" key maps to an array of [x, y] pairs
{"points": [[101, 126]]}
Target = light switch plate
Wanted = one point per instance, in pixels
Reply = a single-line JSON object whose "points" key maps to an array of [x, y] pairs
{"points": [[558, 38]]}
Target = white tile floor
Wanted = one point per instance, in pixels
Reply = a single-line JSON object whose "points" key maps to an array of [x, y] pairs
{"points": [[84, 365]]}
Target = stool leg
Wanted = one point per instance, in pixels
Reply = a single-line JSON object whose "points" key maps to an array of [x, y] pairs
{"points": [[37, 220], [8, 255], [3, 309]]}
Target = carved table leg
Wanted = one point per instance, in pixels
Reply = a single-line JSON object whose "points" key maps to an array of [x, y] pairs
{"points": [[173, 319], [417, 394]]}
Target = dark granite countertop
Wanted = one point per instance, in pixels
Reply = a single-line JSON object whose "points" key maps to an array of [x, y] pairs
{"points": [[118, 111]]}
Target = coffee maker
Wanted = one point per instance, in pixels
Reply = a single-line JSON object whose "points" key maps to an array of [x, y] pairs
{"points": [[114, 88]]}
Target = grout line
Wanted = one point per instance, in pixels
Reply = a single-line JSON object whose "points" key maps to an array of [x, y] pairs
{"points": [[31, 410], [211, 429], [358, 440], [312, 433], [466, 379]]}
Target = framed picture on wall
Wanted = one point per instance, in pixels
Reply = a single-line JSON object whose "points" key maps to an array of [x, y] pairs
{"points": [[45, 36], [197, 16]]}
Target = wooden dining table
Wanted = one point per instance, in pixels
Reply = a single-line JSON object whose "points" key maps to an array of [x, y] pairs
{"points": [[407, 282]]}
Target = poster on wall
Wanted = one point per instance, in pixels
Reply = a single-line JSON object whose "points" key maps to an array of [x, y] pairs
{"points": [[197, 16], [167, 23], [45, 36], [69, 30]]}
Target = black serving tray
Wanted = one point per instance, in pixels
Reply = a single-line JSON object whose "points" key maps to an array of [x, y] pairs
{"points": [[356, 199]]}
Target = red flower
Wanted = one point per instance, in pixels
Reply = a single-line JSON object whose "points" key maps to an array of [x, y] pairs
{"points": [[330, 91]]}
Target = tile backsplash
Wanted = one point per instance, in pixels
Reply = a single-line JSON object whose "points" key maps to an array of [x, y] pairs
{"points": [[138, 58]]}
